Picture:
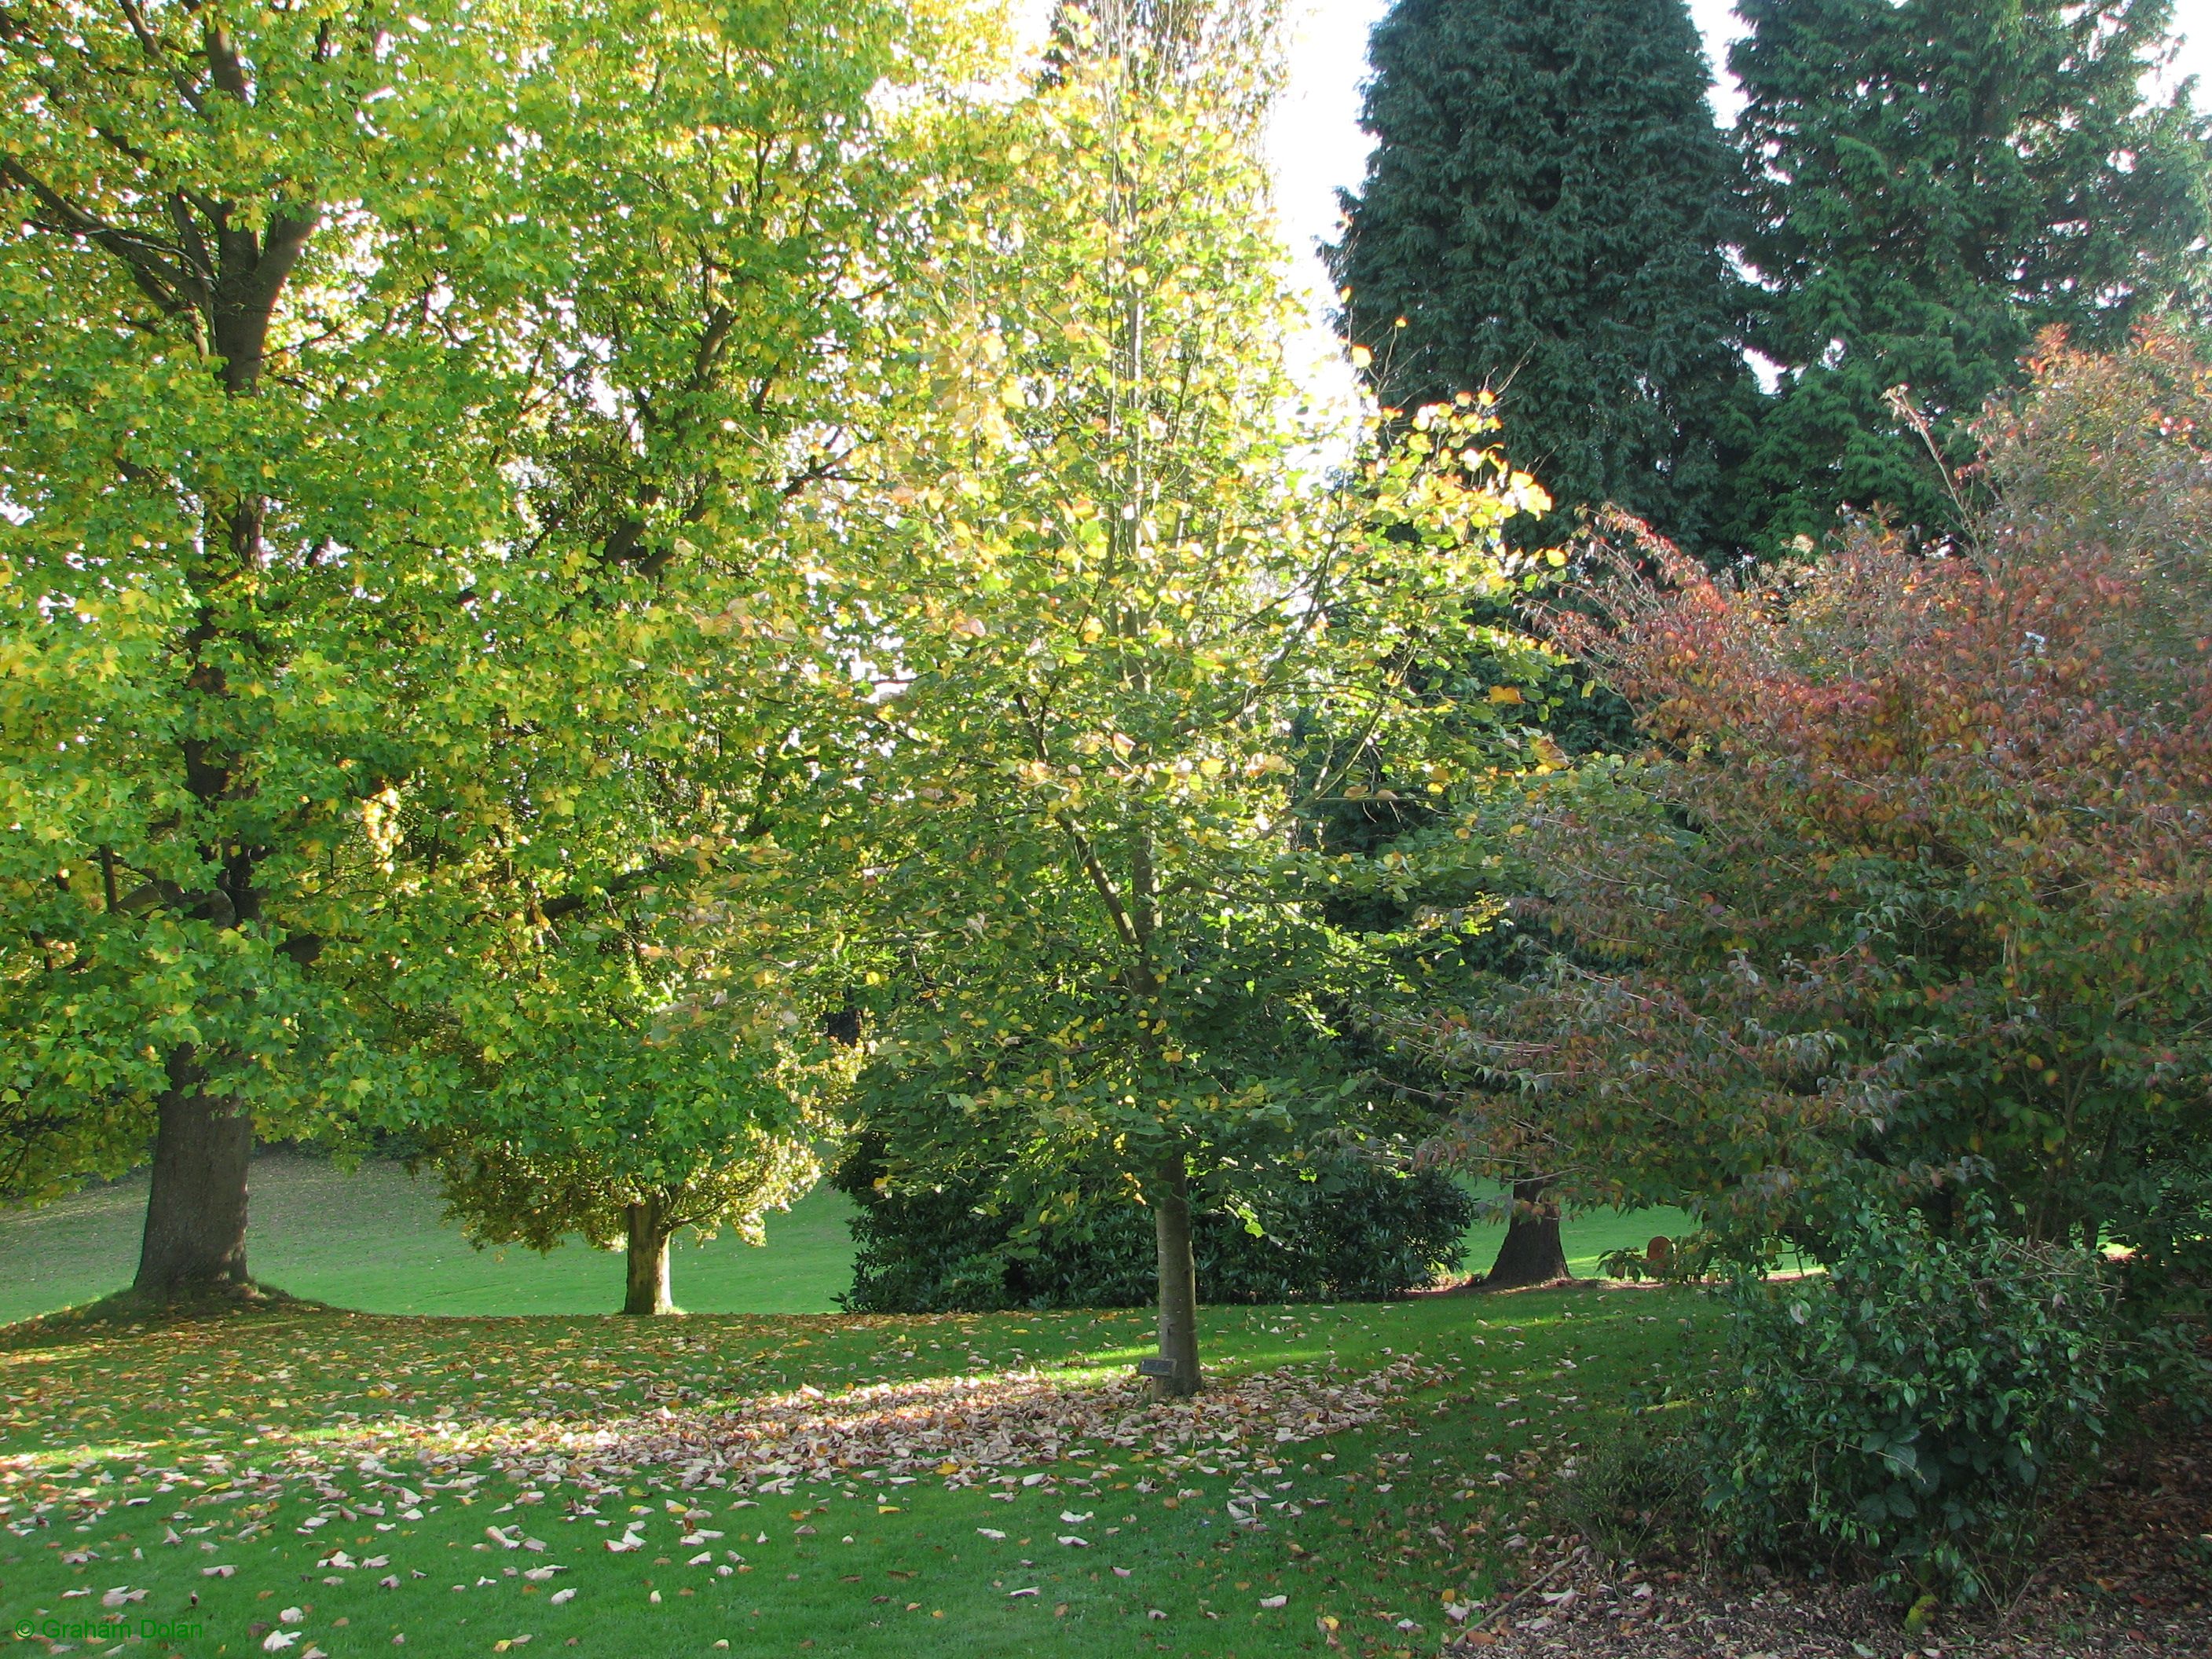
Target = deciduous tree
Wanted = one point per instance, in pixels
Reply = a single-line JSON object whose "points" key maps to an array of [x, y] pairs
{"points": [[1124, 649], [406, 673], [626, 917], [1913, 895], [254, 423]]}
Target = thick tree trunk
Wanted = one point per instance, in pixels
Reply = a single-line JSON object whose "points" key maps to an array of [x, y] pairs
{"points": [[647, 1260], [1178, 1283], [195, 1238], [223, 266], [1532, 1253]]}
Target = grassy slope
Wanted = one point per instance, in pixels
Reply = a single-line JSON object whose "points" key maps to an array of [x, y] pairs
{"points": [[1413, 1513], [374, 1240]]}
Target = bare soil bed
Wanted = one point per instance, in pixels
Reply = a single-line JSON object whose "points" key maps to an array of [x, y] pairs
{"points": [[2126, 1573]]}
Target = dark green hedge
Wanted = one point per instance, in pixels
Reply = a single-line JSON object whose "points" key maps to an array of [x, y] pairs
{"points": [[1358, 1233]]}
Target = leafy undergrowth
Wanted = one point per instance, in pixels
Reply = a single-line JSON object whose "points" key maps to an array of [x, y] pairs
{"points": [[299, 1481]]}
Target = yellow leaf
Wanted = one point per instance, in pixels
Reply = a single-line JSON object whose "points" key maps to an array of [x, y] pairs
{"points": [[1505, 694]]}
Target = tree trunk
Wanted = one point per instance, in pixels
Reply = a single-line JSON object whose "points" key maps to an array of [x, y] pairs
{"points": [[647, 1260], [195, 1238], [1178, 1283], [1532, 1253], [223, 266]]}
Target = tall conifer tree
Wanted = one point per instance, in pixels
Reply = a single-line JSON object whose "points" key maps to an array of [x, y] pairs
{"points": [[1546, 213], [1931, 184]]}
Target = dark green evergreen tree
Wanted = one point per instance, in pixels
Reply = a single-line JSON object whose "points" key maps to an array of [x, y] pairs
{"points": [[1545, 214], [1931, 184]]}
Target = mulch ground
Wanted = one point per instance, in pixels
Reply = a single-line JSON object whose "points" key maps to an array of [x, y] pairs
{"points": [[2126, 1573]]}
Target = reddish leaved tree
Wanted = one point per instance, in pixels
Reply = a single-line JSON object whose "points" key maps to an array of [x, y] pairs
{"points": [[1915, 886]]}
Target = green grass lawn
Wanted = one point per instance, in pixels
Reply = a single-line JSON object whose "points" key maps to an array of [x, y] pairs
{"points": [[153, 1458], [373, 1239]]}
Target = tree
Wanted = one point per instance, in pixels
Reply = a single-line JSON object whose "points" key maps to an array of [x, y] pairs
{"points": [[1122, 647], [419, 638], [1546, 213], [624, 938], [253, 437], [1911, 898], [1932, 183], [627, 1168]]}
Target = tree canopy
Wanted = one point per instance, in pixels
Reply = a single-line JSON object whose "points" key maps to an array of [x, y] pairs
{"points": [[1546, 213], [1931, 184]]}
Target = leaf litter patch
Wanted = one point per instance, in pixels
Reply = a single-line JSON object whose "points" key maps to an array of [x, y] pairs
{"points": [[1012, 1429]]}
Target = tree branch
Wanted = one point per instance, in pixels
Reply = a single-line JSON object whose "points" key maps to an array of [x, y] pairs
{"points": [[567, 904], [151, 44], [148, 262]]}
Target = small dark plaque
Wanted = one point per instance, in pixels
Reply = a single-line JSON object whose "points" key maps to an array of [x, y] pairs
{"points": [[1155, 1368]]}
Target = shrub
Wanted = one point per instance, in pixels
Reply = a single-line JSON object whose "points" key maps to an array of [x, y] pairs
{"points": [[1909, 1410], [1358, 1232]]}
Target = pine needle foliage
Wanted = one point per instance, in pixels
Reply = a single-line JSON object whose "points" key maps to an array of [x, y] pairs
{"points": [[1546, 215]]}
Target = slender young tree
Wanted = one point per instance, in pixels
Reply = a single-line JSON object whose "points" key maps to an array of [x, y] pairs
{"points": [[1931, 184], [1546, 213], [1126, 649], [253, 432]]}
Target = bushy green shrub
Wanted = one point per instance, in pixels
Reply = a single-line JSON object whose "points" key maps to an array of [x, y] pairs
{"points": [[1911, 1409], [1358, 1232]]}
